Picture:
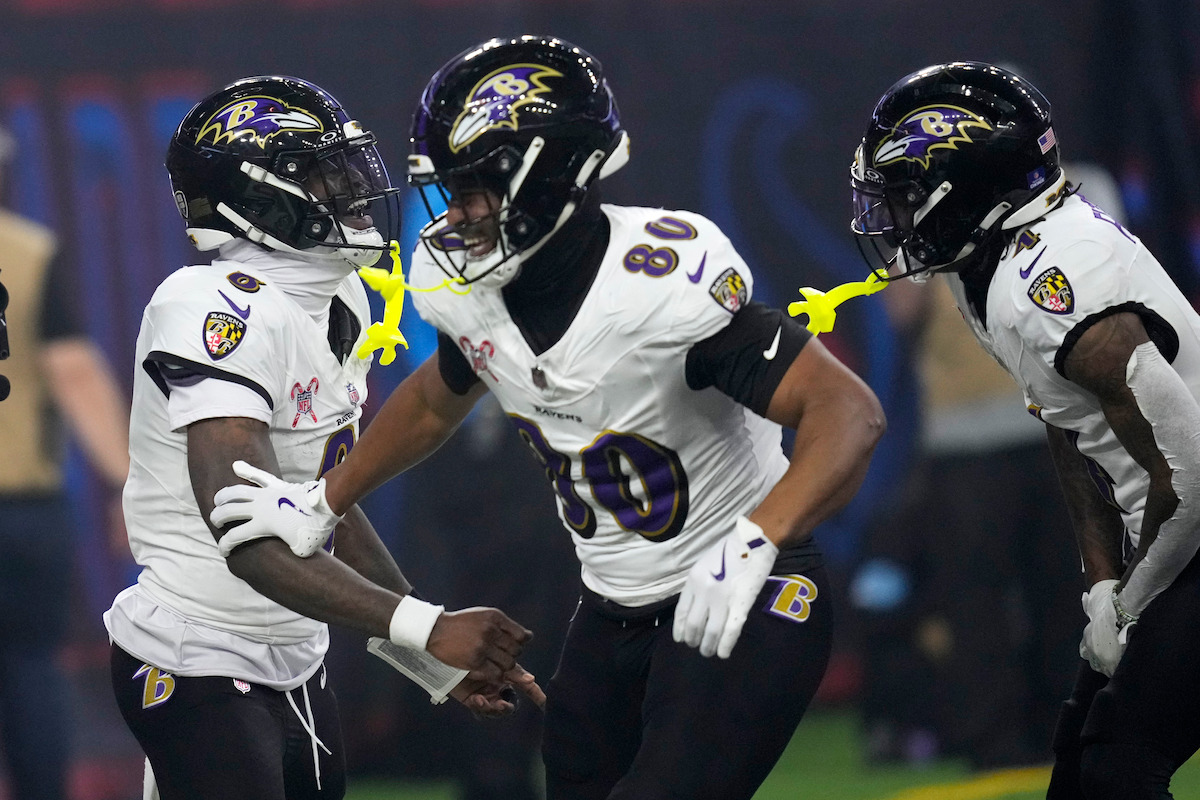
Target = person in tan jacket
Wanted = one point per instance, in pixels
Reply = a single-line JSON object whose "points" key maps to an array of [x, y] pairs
{"points": [[57, 375]]}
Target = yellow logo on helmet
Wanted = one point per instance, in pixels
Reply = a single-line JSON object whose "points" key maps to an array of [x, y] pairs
{"points": [[494, 101]]}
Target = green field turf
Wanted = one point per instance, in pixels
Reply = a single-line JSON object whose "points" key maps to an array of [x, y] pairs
{"points": [[824, 762]]}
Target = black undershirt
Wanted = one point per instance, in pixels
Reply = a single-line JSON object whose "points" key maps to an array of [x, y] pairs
{"points": [[546, 294]]}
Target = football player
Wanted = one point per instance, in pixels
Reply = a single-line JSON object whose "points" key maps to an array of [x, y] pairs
{"points": [[626, 348], [217, 654], [959, 175]]}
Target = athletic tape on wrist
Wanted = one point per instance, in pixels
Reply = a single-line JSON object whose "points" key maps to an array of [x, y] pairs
{"points": [[413, 621], [421, 668]]}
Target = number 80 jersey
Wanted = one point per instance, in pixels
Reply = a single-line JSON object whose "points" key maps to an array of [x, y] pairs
{"points": [[647, 472]]}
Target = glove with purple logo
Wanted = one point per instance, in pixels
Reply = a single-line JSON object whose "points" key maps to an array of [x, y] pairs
{"points": [[297, 513], [721, 588]]}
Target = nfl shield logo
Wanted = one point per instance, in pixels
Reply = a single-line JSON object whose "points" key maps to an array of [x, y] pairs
{"points": [[303, 397]]}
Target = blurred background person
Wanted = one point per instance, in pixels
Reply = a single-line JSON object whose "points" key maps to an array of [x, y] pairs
{"points": [[61, 384]]}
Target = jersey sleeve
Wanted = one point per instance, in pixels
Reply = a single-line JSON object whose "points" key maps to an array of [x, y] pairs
{"points": [[715, 283], [193, 400], [748, 358], [194, 330], [1082, 284]]}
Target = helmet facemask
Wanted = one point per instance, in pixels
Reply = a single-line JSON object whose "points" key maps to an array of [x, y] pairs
{"points": [[330, 206], [519, 224]]}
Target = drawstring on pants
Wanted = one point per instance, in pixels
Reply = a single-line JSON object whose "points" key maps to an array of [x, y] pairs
{"points": [[310, 727]]}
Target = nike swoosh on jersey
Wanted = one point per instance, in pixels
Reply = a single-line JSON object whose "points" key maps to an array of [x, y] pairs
{"points": [[1025, 272], [243, 313], [770, 352], [694, 277], [721, 575]]}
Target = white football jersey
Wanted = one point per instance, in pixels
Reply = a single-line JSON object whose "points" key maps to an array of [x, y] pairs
{"points": [[647, 472], [1075, 263], [224, 321]]}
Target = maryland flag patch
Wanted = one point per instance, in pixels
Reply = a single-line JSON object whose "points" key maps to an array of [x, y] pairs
{"points": [[729, 290], [222, 334], [1052, 292]]}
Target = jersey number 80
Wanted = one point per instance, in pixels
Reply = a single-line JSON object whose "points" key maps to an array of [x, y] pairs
{"points": [[658, 511]]}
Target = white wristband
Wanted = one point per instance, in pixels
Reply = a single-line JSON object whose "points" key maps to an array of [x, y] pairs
{"points": [[413, 621]]}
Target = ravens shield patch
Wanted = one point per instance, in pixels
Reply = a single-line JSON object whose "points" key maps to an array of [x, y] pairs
{"points": [[729, 290], [222, 334], [1051, 291]]}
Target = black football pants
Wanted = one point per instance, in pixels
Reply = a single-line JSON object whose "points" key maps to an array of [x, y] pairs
{"points": [[632, 714], [1144, 722], [220, 739]]}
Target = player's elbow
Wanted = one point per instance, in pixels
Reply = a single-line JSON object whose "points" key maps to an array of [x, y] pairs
{"points": [[874, 421], [866, 419]]}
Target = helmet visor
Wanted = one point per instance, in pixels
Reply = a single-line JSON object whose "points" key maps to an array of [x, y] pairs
{"points": [[870, 213]]}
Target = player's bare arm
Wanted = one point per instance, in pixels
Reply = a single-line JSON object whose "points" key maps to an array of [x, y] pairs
{"points": [[1098, 362], [417, 417], [325, 588], [1098, 526], [838, 421]]}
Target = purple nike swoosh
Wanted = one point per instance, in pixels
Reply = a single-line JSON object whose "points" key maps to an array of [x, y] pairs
{"points": [[283, 501], [721, 575], [243, 313], [694, 277], [1025, 272]]}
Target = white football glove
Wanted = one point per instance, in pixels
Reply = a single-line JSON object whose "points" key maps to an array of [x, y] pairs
{"points": [[294, 512], [721, 587], [1102, 644]]}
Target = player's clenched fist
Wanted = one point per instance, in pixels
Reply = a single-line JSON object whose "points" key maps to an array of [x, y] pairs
{"points": [[482, 640]]}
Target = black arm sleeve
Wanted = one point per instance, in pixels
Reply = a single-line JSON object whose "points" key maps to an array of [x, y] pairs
{"points": [[743, 359], [453, 365]]}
